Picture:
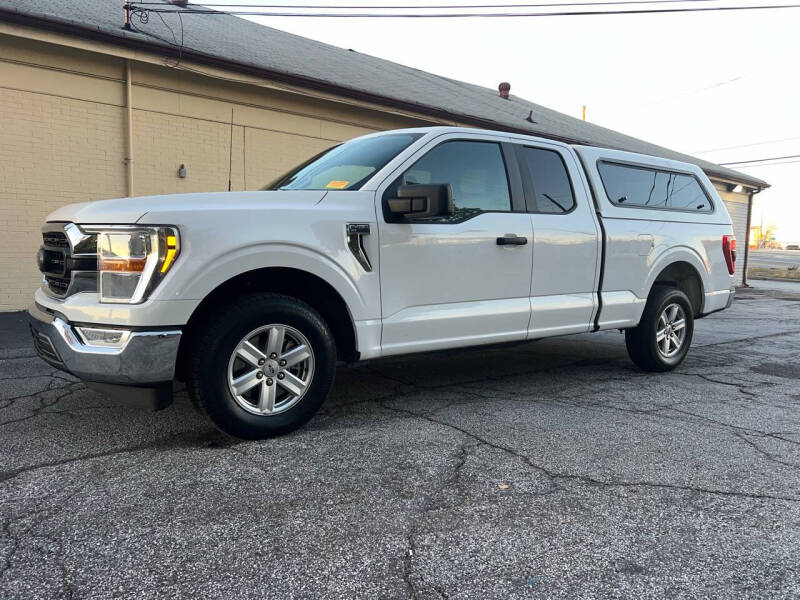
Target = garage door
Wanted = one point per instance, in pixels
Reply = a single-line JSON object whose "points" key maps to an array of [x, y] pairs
{"points": [[737, 207]]}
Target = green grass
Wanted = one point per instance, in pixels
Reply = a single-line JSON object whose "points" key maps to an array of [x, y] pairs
{"points": [[773, 273]]}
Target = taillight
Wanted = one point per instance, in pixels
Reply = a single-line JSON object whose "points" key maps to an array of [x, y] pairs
{"points": [[729, 250]]}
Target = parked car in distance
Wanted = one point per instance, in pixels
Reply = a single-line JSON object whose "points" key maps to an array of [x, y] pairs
{"points": [[392, 243], [793, 246]]}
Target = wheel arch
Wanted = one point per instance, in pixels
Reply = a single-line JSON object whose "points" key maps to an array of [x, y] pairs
{"points": [[297, 283], [683, 274]]}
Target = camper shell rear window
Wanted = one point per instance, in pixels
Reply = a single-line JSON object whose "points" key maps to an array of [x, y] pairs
{"points": [[637, 186]]}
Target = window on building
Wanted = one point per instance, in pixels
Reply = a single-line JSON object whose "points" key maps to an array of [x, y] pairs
{"points": [[551, 183], [627, 185]]}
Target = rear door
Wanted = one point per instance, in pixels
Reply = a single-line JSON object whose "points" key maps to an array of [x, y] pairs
{"points": [[566, 241], [447, 282]]}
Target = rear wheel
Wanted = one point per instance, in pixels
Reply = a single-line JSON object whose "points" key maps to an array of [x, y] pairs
{"points": [[661, 340], [263, 366]]}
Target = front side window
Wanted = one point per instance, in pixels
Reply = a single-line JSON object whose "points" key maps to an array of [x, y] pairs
{"points": [[639, 186], [347, 166], [475, 171], [551, 183]]}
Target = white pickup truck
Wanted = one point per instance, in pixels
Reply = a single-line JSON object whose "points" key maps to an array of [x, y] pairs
{"points": [[392, 243]]}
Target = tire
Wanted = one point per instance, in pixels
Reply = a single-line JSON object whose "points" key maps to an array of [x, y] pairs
{"points": [[645, 348], [277, 351]]}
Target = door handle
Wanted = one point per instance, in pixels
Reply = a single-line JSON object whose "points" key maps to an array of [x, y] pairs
{"points": [[512, 239]]}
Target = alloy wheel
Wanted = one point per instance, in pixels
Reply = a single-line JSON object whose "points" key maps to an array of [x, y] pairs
{"points": [[671, 330], [270, 369]]}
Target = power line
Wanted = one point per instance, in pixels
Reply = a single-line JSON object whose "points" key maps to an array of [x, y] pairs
{"points": [[788, 139], [784, 162], [695, 91], [421, 7], [639, 11], [756, 160]]}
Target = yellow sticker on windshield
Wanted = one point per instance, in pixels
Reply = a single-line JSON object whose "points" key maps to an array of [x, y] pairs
{"points": [[337, 184]]}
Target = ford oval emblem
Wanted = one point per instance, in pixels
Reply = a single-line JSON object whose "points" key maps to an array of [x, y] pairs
{"points": [[40, 259]]}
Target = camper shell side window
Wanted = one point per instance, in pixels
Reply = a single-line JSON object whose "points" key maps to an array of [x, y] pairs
{"points": [[639, 186]]}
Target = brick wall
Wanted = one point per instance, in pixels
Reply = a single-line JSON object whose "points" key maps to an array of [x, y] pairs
{"points": [[54, 151], [63, 138]]}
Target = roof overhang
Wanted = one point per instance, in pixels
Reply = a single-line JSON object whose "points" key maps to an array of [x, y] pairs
{"points": [[72, 30]]}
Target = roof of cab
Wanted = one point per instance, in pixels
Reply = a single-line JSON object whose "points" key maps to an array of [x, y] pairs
{"points": [[239, 44]]}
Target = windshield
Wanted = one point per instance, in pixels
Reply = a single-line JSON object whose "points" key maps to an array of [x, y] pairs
{"points": [[347, 166]]}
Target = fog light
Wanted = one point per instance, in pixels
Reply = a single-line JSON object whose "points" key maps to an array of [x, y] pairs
{"points": [[104, 338]]}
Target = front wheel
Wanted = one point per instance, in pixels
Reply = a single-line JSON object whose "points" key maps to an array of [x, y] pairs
{"points": [[661, 340], [263, 366]]}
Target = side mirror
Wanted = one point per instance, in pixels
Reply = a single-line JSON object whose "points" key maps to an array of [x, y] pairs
{"points": [[422, 201]]}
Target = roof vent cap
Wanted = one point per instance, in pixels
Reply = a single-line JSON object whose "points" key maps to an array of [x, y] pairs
{"points": [[504, 88]]}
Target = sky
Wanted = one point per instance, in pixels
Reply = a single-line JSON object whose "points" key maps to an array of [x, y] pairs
{"points": [[711, 84]]}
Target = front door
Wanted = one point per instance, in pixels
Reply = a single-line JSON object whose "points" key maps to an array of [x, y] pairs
{"points": [[448, 281]]}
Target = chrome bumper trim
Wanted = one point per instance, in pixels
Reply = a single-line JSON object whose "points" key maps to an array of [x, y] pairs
{"points": [[148, 357]]}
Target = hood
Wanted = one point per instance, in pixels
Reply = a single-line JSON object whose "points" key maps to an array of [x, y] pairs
{"points": [[122, 211]]}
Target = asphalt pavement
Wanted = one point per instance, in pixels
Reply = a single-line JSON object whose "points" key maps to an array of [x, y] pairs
{"points": [[551, 469]]}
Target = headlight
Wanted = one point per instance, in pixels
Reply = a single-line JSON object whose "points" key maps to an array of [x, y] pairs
{"points": [[131, 260]]}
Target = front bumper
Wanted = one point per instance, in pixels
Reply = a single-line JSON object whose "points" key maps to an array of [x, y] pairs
{"points": [[145, 362]]}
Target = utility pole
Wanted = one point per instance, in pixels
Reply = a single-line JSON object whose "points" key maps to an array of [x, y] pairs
{"points": [[583, 116]]}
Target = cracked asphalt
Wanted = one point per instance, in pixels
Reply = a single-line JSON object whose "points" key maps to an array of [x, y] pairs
{"points": [[551, 469]]}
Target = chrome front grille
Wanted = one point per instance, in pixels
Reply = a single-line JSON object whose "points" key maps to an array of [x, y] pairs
{"points": [[57, 285], [55, 239], [68, 260]]}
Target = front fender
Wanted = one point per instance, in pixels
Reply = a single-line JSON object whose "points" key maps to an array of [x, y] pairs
{"points": [[344, 274]]}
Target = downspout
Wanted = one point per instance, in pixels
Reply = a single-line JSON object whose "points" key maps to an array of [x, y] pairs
{"points": [[747, 235], [129, 119]]}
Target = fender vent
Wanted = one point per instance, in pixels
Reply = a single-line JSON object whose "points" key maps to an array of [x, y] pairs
{"points": [[355, 242]]}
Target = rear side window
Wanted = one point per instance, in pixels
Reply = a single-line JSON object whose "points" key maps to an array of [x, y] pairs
{"points": [[627, 185], [551, 184]]}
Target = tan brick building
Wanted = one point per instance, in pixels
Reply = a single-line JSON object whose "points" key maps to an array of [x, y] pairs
{"points": [[89, 110]]}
